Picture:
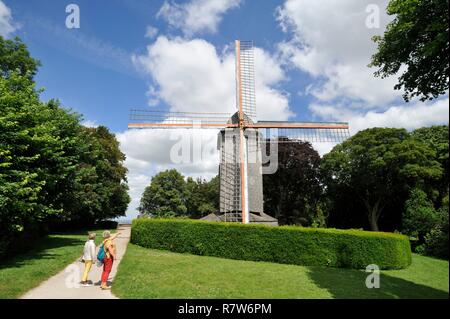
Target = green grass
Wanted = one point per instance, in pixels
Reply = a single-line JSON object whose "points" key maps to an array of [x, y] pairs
{"points": [[49, 256], [148, 273]]}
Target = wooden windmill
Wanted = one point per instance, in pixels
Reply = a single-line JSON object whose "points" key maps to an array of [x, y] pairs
{"points": [[241, 138]]}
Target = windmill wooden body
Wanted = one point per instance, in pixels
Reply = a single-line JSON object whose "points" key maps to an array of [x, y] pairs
{"points": [[241, 140]]}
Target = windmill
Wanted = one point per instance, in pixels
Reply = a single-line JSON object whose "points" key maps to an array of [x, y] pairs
{"points": [[240, 139]]}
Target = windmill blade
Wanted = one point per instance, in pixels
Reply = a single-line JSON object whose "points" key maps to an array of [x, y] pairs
{"points": [[284, 131], [149, 119], [245, 79]]}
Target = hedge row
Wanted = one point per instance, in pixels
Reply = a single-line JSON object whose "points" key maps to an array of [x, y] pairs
{"points": [[284, 244]]}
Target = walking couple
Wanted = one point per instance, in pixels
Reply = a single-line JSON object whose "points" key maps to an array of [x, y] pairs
{"points": [[105, 257]]}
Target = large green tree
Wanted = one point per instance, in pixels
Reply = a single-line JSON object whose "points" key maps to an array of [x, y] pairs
{"points": [[293, 192], [378, 167], [165, 196], [52, 169], [418, 39], [99, 187]]}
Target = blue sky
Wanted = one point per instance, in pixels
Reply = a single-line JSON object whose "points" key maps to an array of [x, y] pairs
{"points": [[104, 89], [311, 62]]}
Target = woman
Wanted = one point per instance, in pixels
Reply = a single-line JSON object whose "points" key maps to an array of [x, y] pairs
{"points": [[88, 258], [110, 255]]}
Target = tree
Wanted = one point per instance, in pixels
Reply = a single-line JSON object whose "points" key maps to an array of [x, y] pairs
{"points": [[418, 39], [21, 181], [52, 169], [165, 196], [377, 167], [436, 241], [419, 215], [292, 193], [14, 57], [437, 138], [202, 196], [99, 190]]}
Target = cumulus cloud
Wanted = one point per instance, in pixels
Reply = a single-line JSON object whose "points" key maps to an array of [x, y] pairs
{"points": [[196, 16], [410, 117], [6, 21], [191, 76], [332, 42]]}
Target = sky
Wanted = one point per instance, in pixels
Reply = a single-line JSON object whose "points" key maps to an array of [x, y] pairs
{"points": [[311, 64]]}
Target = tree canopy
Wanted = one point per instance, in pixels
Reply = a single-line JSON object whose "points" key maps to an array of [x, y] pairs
{"points": [[169, 194], [418, 40], [378, 166], [53, 170], [293, 192]]}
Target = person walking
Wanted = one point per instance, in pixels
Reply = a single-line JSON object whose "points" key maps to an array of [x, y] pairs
{"points": [[110, 255], [88, 259]]}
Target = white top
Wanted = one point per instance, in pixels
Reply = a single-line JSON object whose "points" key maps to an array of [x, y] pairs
{"points": [[89, 250]]}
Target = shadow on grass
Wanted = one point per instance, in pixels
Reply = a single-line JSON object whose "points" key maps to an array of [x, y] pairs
{"points": [[348, 283], [39, 250]]}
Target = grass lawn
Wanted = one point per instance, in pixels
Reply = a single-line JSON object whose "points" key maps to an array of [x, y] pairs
{"points": [[49, 256], [147, 273]]}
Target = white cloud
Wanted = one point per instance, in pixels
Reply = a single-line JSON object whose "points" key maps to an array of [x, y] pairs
{"points": [[193, 77], [331, 42], [151, 32], [6, 21], [413, 116], [196, 16]]}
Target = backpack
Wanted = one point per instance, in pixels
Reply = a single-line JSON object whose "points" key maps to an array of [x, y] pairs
{"points": [[101, 254]]}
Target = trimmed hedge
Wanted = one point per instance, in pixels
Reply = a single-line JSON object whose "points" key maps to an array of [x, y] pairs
{"points": [[283, 244]]}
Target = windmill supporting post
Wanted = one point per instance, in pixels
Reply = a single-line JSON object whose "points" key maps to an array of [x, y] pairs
{"points": [[244, 177]]}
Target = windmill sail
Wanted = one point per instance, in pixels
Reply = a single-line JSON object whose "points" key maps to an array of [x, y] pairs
{"points": [[161, 119], [245, 79], [334, 132]]}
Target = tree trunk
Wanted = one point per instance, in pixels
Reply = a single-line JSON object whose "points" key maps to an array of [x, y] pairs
{"points": [[373, 220], [373, 213]]}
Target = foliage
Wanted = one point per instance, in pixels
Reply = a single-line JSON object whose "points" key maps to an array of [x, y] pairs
{"points": [[436, 241], [377, 167], [14, 57], [99, 187], [202, 196], [52, 169], [418, 39], [293, 192], [283, 244], [169, 195], [437, 138], [419, 215], [165, 196]]}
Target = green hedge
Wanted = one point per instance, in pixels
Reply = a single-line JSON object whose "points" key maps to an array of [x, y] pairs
{"points": [[284, 244]]}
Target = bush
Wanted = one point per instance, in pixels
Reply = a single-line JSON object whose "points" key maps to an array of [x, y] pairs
{"points": [[284, 244]]}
